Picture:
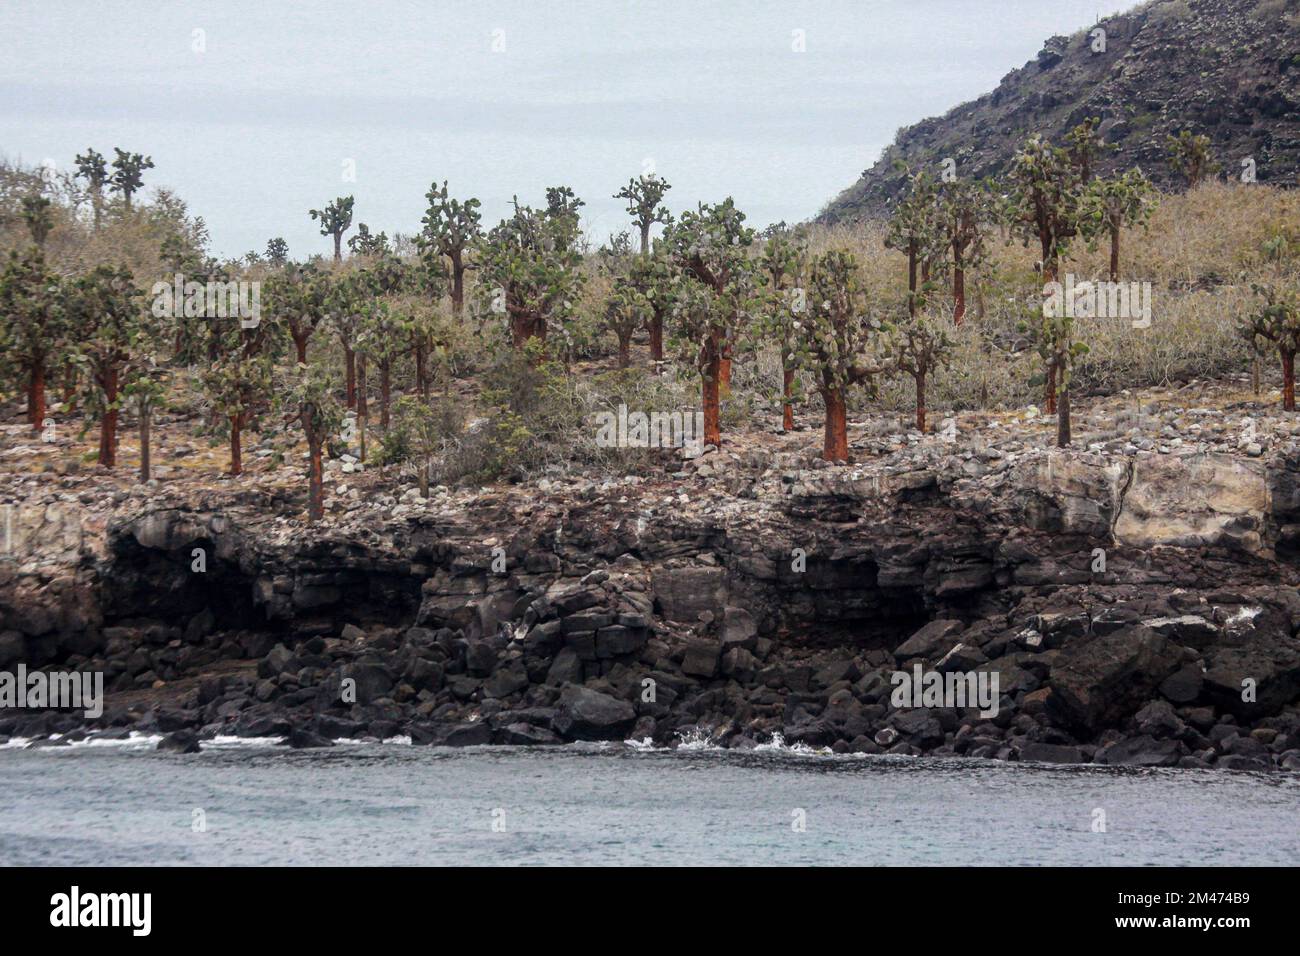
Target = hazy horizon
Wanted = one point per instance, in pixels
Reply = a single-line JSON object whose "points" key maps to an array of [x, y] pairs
{"points": [[501, 99]]}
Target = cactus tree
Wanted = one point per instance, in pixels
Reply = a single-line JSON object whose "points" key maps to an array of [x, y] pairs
{"points": [[310, 402], [128, 169], [451, 227], [335, 219], [836, 342], [643, 196], [1053, 332], [1278, 321], [93, 168], [1045, 205], [709, 246], [530, 266], [1189, 156], [32, 325], [963, 210], [919, 345], [1111, 204], [104, 306], [784, 263], [913, 230]]}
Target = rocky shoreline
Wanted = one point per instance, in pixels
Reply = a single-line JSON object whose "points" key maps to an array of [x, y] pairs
{"points": [[1138, 606]]}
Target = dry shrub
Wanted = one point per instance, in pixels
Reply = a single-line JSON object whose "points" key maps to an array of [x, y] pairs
{"points": [[541, 421], [1201, 252], [1192, 335]]}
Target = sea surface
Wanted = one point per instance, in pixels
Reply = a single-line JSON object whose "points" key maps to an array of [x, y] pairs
{"points": [[252, 802]]}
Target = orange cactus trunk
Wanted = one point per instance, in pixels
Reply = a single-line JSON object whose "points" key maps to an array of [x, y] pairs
{"points": [[709, 391], [958, 295], [315, 485], [835, 444]]}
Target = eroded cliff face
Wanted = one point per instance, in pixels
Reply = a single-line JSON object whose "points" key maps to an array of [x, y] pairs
{"points": [[1125, 604]]}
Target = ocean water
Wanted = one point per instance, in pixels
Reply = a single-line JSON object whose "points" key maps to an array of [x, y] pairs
{"points": [[371, 803]]}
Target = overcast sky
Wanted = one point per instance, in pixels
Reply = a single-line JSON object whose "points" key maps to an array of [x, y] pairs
{"points": [[258, 117]]}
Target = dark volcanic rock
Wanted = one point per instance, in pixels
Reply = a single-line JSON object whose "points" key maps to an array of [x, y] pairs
{"points": [[467, 735], [566, 668], [181, 742], [1157, 719], [1235, 762], [683, 593], [373, 680], [738, 629], [617, 640], [609, 625], [701, 658], [1183, 686], [1142, 752], [586, 714], [1051, 753], [1100, 682], [930, 642], [443, 734], [506, 681], [920, 727], [1271, 665], [302, 739], [522, 734], [480, 658], [275, 662]]}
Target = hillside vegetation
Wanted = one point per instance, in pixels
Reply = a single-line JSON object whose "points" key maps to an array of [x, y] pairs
{"points": [[476, 354]]}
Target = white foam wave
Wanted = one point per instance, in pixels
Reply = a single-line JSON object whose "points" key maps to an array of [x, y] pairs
{"points": [[695, 739], [136, 740], [778, 745], [401, 740]]}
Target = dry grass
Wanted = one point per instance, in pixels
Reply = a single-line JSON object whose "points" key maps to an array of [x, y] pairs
{"points": [[1201, 251]]}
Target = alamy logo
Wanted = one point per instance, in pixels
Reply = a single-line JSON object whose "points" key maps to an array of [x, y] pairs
{"points": [[653, 430], [1101, 300], [209, 300], [103, 909], [38, 690], [955, 689]]}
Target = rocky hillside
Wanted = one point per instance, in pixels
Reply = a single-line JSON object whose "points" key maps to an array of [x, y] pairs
{"points": [[1227, 68]]}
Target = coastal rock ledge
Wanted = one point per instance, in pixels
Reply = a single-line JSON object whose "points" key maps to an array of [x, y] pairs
{"points": [[1136, 611]]}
